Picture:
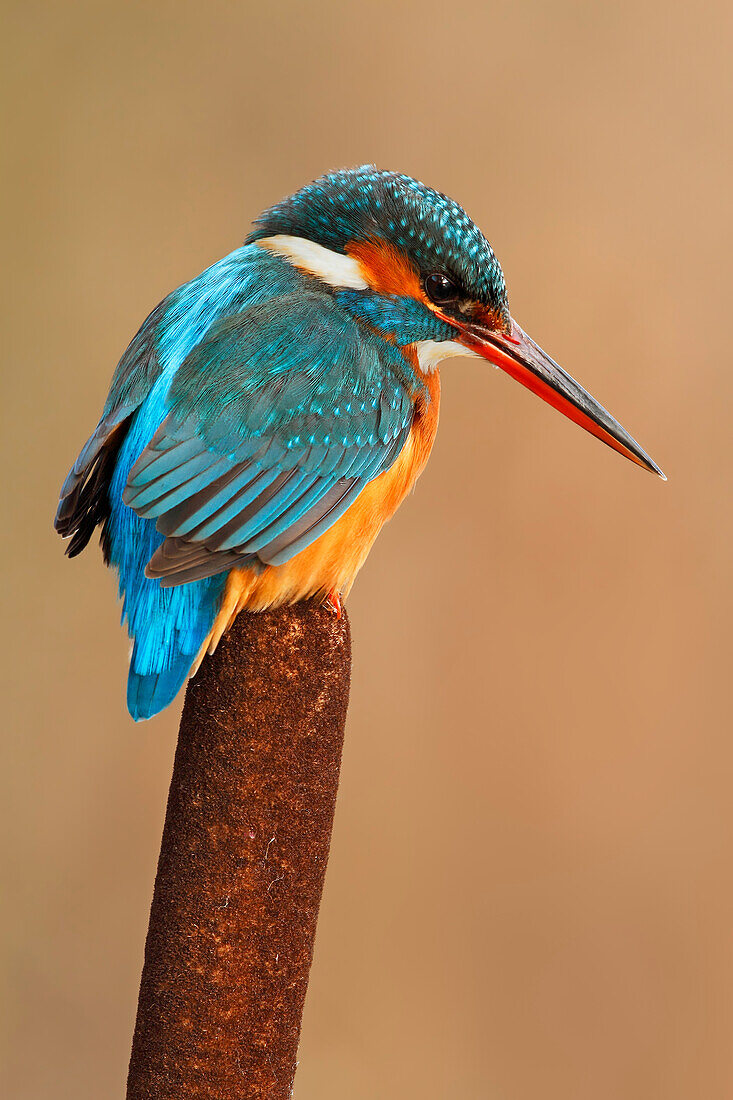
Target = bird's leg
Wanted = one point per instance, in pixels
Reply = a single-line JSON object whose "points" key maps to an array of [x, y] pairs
{"points": [[333, 602]]}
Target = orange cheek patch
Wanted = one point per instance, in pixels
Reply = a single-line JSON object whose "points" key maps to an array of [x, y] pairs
{"points": [[385, 269]]}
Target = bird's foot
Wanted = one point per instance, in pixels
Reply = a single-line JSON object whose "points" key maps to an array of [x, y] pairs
{"points": [[333, 603]]}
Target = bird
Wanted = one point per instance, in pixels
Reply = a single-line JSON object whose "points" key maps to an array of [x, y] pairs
{"points": [[271, 414]]}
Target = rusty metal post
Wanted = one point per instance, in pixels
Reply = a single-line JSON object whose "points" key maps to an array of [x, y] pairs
{"points": [[242, 862]]}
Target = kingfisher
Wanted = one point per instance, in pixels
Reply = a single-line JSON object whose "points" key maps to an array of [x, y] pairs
{"points": [[272, 414]]}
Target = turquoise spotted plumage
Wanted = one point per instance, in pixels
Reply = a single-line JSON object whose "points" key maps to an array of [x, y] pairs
{"points": [[365, 203]]}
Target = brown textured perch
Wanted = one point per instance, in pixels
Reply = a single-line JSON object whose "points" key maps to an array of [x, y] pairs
{"points": [[242, 862]]}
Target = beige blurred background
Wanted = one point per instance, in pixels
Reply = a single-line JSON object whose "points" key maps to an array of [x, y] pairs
{"points": [[530, 892]]}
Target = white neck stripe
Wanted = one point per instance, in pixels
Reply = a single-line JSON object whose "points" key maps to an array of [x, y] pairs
{"points": [[330, 267]]}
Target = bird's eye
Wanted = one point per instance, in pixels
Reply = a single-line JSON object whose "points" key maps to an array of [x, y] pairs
{"points": [[440, 289]]}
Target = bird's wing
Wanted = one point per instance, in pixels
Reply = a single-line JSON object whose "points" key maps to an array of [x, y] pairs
{"points": [[83, 499], [277, 420]]}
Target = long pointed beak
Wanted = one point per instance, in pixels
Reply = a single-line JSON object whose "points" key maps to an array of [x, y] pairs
{"points": [[521, 358]]}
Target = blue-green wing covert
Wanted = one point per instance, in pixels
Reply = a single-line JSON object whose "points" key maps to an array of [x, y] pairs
{"points": [[277, 420]]}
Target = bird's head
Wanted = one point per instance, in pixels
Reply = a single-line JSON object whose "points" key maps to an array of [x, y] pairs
{"points": [[409, 262]]}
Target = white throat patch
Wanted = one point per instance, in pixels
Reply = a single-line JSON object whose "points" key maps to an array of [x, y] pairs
{"points": [[330, 267], [432, 352]]}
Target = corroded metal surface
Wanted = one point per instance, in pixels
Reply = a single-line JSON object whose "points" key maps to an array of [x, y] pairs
{"points": [[242, 862]]}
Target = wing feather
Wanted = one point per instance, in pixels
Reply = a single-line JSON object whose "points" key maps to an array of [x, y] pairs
{"points": [[275, 426]]}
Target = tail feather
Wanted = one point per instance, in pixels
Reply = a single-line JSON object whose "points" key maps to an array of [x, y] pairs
{"points": [[148, 693]]}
